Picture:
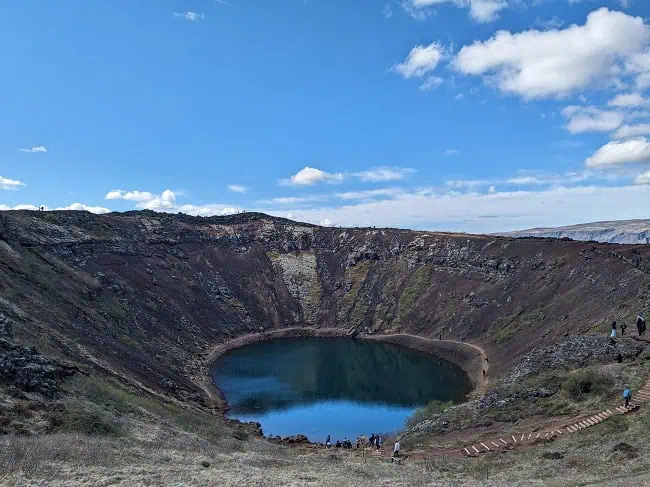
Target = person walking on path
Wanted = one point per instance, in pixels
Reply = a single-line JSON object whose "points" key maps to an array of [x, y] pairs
{"points": [[378, 443], [613, 335], [396, 449], [623, 328], [627, 395]]}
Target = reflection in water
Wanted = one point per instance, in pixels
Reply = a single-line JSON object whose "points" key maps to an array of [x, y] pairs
{"points": [[312, 386]]}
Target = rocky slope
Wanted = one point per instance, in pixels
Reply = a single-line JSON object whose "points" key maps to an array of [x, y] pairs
{"points": [[620, 231], [146, 296]]}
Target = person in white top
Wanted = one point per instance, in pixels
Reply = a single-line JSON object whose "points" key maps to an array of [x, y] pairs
{"points": [[396, 449]]}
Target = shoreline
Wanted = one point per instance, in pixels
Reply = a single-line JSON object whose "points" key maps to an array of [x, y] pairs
{"points": [[469, 357]]}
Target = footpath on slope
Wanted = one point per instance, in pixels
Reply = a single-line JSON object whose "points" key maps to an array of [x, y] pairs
{"points": [[575, 425]]}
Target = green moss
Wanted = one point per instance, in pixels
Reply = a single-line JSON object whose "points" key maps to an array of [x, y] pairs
{"points": [[505, 327], [129, 342], [110, 394], [355, 276], [415, 286]]}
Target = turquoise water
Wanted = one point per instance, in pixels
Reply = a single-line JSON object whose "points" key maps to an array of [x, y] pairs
{"points": [[337, 387]]}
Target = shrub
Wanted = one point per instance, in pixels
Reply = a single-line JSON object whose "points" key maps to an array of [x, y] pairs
{"points": [[85, 422], [587, 382]]}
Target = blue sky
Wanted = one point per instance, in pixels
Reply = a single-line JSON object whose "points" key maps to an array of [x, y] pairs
{"points": [[470, 115]]}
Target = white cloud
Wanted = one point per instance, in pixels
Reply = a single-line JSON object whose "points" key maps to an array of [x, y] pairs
{"points": [[379, 174], [166, 202], [81, 207], [6, 183], [639, 66], [118, 194], [643, 178], [145, 199], [522, 179], [431, 83], [643, 81], [18, 207], [537, 64], [420, 61], [554, 23], [238, 188], [208, 210], [625, 131], [36, 148], [627, 100], [591, 119], [293, 200], [490, 212], [308, 176], [189, 16], [326, 222], [484, 11], [450, 152], [369, 194], [480, 10], [620, 152], [73, 207]]}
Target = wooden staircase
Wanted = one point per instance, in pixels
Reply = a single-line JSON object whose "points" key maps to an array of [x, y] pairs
{"points": [[508, 443]]}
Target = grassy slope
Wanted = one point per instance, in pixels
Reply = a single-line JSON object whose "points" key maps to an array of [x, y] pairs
{"points": [[106, 434]]}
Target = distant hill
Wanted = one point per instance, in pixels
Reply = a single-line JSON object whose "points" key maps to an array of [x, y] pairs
{"points": [[619, 231]]}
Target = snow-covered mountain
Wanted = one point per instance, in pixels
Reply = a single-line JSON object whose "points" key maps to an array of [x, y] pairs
{"points": [[620, 231]]}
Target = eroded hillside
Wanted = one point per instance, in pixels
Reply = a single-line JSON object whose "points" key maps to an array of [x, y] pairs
{"points": [[148, 295]]}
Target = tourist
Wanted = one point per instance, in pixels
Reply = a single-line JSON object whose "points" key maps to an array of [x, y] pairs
{"points": [[378, 443], [328, 442], [613, 335], [338, 444], [623, 328], [358, 443], [396, 449], [640, 325], [372, 439], [627, 394]]}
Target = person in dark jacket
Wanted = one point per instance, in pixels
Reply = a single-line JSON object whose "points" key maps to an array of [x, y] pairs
{"points": [[639, 325]]}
